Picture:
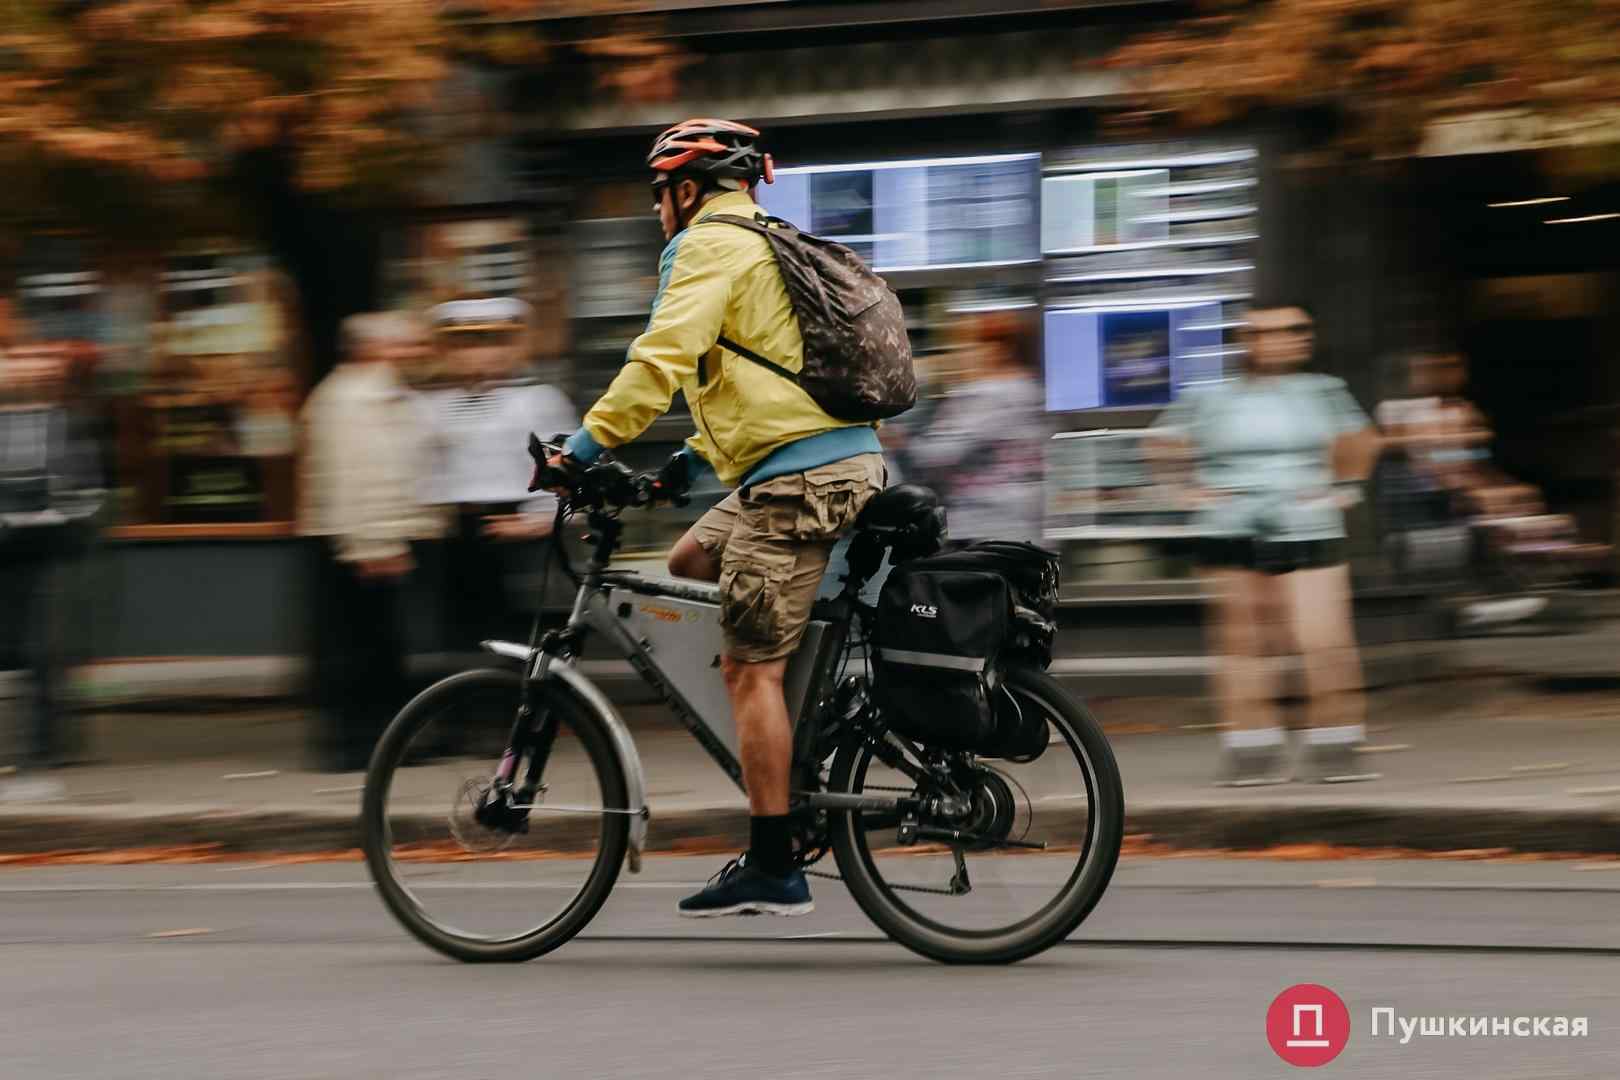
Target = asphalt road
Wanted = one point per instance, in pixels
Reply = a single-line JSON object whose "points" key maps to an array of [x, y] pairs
{"points": [[296, 971]]}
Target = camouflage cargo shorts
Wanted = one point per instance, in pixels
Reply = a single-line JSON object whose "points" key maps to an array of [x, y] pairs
{"points": [[772, 541]]}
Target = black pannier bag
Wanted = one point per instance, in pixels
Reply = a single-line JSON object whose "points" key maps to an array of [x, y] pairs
{"points": [[946, 627]]}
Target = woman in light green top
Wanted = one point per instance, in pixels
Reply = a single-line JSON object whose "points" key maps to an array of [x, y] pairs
{"points": [[1277, 455]]}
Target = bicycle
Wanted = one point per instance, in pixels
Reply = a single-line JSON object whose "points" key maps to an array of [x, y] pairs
{"points": [[548, 798]]}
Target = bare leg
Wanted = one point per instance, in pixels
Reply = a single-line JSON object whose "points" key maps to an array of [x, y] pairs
{"points": [[1319, 606], [1238, 638], [759, 706], [1319, 609], [689, 559], [1252, 737]]}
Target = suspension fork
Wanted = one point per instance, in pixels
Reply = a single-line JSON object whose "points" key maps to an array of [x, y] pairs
{"points": [[535, 728]]}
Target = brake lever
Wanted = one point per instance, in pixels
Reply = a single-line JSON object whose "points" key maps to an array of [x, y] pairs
{"points": [[653, 491]]}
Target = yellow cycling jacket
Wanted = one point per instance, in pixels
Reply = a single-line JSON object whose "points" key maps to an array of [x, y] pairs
{"points": [[720, 280]]}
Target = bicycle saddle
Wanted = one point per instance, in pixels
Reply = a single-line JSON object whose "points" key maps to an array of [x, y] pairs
{"points": [[907, 516]]}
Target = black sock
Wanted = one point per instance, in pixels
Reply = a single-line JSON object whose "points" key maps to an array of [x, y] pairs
{"points": [[770, 844]]}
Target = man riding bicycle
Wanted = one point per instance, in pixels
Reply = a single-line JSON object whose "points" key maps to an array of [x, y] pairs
{"points": [[801, 476]]}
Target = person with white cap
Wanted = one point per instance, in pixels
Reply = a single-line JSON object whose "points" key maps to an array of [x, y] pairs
{"points": [[475, 425]]}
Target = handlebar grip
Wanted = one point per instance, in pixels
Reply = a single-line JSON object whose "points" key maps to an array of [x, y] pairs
{"points": [[544, 475]]}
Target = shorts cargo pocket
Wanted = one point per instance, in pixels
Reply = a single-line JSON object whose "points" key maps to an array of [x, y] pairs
{"points": [[752, 582], [831, 506], [774, 509], [821, 504]]}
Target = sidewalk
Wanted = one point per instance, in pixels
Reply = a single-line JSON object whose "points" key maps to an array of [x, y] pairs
{"points": [[1485, 762]]}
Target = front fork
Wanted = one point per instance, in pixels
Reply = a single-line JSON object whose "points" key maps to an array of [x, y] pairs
{"points": [[506, 803]]}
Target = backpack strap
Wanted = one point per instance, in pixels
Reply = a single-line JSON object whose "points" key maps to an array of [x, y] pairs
{"points": [[760, 223], [749, 354]]}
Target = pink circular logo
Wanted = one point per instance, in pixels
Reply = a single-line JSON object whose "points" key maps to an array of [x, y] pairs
{"points": [[1307, 1025]]}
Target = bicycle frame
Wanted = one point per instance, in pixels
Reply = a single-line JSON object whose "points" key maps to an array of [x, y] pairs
{"points": [[668, 629]]}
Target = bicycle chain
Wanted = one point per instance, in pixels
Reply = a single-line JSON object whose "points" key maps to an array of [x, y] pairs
{"points": [[904, 888]]}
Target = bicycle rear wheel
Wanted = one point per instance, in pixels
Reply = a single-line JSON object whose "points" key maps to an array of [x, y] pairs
{"points": [[504, 892], [1016, 902]]}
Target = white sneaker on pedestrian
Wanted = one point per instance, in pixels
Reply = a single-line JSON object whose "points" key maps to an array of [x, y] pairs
{"points": [[1331, 755]]}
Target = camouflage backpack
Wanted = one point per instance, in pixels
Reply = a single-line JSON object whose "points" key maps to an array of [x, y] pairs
{"points": [[857, 358]]}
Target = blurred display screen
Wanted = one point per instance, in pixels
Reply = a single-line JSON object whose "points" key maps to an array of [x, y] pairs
{"points": [[1129, 358], [1101, 210], [1100, 485], [918, 215]]}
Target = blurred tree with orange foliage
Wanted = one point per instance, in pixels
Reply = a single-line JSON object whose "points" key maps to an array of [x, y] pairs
{"points": [[132, 117], [297, 126], [1385, 69]]}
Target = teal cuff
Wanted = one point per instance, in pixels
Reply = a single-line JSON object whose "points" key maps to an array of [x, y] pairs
{"points": [[582, 446]]}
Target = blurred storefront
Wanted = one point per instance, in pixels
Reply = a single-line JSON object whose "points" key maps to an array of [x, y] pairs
{"points": [[963, 147], [192, 369], [966, 160], [969, 158]]}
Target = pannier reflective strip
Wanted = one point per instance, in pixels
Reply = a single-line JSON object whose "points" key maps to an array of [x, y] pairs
{"points": [[936, 660]]}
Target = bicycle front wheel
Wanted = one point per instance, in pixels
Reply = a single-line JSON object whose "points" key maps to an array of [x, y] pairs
{"points": [[991, 903], [482, 888]]}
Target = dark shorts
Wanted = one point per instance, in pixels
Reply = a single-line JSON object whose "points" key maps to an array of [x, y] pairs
{"points": [[1270, 556]]}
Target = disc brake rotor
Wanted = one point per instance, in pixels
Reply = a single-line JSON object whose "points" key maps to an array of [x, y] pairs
{"points": [[475, 837]]}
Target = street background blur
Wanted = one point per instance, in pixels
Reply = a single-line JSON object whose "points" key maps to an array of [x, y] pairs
{"points": [[285, 284], [1078, 203]]}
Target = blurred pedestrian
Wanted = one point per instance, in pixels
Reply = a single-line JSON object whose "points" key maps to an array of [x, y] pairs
{"points": [[50, 490], [480, 468], [1279, 455], [1435, 446], [363, 459], [984, 450]]}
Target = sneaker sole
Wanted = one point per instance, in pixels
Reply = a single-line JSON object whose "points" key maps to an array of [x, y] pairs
{"points": [[753, 907]]}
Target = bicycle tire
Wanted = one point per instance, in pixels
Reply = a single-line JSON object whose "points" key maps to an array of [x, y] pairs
{"points": [[1076, 899], [396, 896]]}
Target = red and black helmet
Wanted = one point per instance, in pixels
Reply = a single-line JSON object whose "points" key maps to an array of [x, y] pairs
{"points": [[711, 148]]}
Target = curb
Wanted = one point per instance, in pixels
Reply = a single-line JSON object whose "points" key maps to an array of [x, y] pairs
{"points": [[39, 830]]}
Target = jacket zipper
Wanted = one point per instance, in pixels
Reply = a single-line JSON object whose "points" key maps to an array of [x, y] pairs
{"points": [[697, 408]]}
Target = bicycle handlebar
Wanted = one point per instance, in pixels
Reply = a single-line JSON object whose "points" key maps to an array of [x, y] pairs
{"points": [[605, 485]]}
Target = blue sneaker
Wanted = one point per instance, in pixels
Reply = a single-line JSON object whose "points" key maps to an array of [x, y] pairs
{"points": [[739, 889]]}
